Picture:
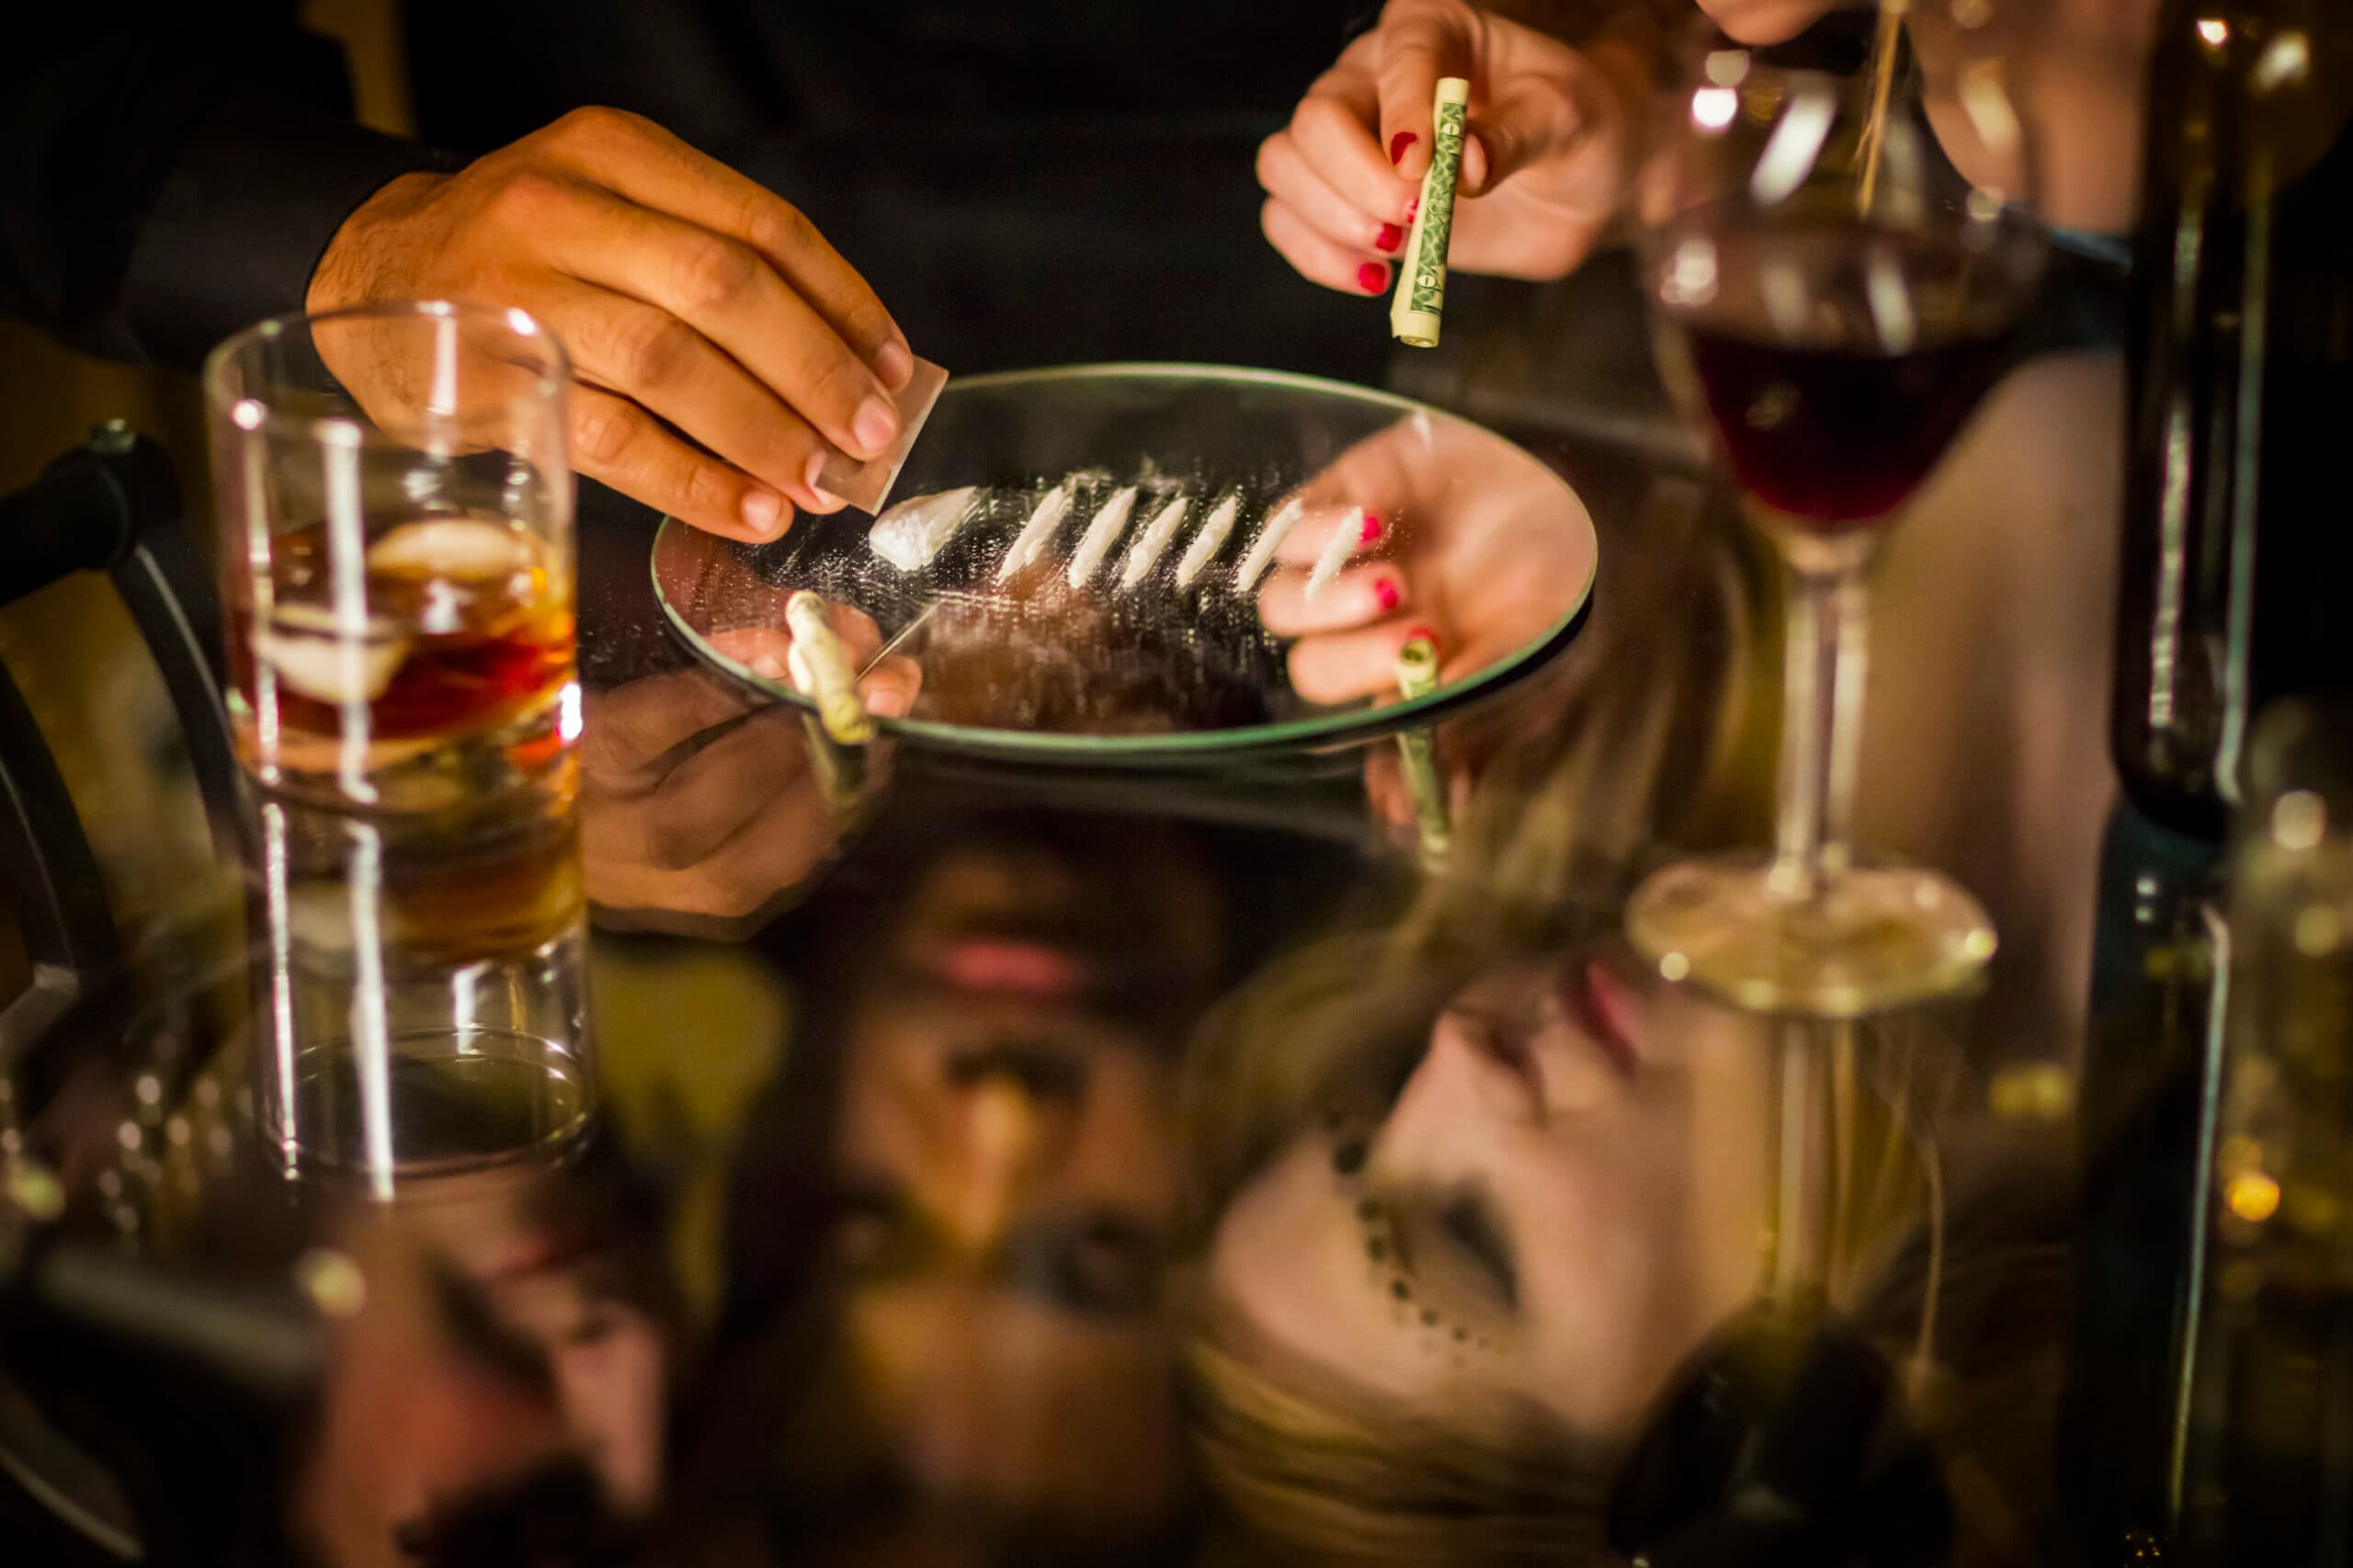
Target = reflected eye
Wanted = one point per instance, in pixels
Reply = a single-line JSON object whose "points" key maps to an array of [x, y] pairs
{"points": [[1471, 1227], [1454, 1248]]}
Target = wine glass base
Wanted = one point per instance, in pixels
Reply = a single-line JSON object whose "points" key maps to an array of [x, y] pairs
{"points": [[1881, 937]]}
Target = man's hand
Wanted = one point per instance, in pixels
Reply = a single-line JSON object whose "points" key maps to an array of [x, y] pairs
{"points": [[1545, 168], [691, 299]]}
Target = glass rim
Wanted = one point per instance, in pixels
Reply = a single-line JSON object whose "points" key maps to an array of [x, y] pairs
{"points": [[253, 414]]}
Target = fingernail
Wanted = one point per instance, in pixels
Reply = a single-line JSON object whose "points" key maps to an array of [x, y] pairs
{"points": [[1423, 634], [1399, 145], [893, 365], [760, 510], [1386, 592], [767, 664], [1371, 527], [1389, 237], [1412, 208], [890, 701], [875, 425], [826, 500], [1373, 277]]}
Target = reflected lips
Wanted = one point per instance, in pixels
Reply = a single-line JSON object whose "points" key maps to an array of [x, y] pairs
{"points": [[999, 967], [1604, 1009]]}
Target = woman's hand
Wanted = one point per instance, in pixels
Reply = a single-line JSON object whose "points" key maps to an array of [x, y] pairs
{"points": [[1458, 535], [1545, 167], [692, 301]]}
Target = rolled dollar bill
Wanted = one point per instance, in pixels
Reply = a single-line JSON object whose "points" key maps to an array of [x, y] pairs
{"points": [[821, 667], [1420, 299], [1417, 677]]}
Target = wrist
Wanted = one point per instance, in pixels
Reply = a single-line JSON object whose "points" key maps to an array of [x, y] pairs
{"points": [[355, 266]]}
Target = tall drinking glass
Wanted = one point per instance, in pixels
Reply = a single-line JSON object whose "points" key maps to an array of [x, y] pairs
{"points": [[394, 489], [1834, 253]]}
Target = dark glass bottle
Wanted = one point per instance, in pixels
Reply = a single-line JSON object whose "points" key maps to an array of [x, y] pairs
{"points": [[2143, 1113], [2237, 551], [2238, 526]]}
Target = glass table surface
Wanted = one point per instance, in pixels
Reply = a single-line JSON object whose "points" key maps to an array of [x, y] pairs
{"points": [[1087, 1158]]}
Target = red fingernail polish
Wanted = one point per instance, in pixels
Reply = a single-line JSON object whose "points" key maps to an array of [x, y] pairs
{"points": [[1398, 146], [1423, 634], [1412, 207], [1372, 276], [1388, 238], [1371, 527], [1386, 592]]}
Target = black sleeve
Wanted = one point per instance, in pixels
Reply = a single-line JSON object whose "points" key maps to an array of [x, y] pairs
{"points": [[171, 172]]}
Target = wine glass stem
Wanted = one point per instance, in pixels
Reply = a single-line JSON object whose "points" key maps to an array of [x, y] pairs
{"points": [[1821, 715]]}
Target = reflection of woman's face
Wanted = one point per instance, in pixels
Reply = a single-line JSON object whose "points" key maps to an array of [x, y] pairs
{"points": [[1567, 1194]]}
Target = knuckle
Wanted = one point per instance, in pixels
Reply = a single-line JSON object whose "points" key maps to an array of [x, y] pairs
{"points": [[1270, 153], [669, 847], [596, 126], [715, 271], [781, 229], [836, 381], [706, 489], [648, 346], [1320, 117], [527, 196], [604, 430]]}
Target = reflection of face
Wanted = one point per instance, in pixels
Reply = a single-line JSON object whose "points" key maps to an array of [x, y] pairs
{"points": [[425, 1416], [1764, 21], [1567, 1194], [1004, 1148]]}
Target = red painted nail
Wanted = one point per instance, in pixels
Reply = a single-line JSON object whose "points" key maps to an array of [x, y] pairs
{"points": [[1373, 277], [1386, 592], [1412, 207], [1371, 527], [1423, 634], [1389, 238], [1400, 144]]}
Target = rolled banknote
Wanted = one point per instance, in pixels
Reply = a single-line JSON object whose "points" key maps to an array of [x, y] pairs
{"points": [[1420, 299], [821, 667], [1417, 677]]}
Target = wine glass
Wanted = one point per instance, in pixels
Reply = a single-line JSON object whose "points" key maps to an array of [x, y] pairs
{"points": [[1836, 247]]}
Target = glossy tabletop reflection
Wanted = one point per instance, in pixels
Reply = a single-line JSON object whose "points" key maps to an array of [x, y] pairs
{"points": [[1002, 1163]]}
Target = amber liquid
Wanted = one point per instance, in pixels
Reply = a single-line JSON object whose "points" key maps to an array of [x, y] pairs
{"points": [[461, 627], [412, 730]]}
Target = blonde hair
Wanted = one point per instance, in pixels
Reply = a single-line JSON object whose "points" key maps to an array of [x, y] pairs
{"points": [[1310, 1473], [1627, 739], [1646, 738]]}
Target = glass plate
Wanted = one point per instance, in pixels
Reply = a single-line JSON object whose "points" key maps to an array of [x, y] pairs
{"points": [[1104, 648]]}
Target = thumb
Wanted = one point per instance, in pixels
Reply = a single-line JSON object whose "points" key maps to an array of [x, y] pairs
{"points": [[1419, 43]]}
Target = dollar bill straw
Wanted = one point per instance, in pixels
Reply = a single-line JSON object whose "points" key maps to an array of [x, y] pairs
{"points": [[819, 667], [1417, 677], [1420, 299]]}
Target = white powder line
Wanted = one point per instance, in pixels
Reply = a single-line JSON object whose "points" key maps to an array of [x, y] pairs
{"points": [[912, 533], [1209, 540], [1101, 535], [1336, 550], [1035, 534], [1270, 540], [1153, 543]]}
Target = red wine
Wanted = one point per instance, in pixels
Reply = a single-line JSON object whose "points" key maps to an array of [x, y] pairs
{"points": [[1837, 361]]}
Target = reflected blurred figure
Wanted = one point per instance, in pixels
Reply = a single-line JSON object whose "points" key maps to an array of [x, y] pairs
{"points": [[1434, 1315], [944, 1341], [1474, 1189], [502, 1391]]}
